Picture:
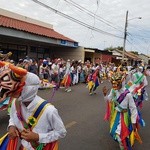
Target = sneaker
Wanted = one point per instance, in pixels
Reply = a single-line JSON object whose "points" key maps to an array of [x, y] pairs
{"points": [[66, 90], [90, 93], [69, 90], [61, 87]]}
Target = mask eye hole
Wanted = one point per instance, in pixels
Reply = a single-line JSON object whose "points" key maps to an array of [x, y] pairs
{"points": [[5, 78]]}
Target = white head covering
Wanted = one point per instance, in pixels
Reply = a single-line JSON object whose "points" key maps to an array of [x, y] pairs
{"points": [[30, 88]]}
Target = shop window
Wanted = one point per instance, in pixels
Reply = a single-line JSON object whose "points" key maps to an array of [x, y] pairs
{"points": [[3, 45], [75, 44], [47, 50], [64, 42], [40, 50], [33, 49], [12, 46], [22, 48]]}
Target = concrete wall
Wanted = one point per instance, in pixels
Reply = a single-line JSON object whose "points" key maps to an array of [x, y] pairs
{"points": [[69, 53], [89, 56], [100, 57]]}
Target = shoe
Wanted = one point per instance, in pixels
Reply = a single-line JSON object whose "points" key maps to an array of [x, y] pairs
{"points": [[90, 93], [61, 87], [69, 90], [66, 90]]}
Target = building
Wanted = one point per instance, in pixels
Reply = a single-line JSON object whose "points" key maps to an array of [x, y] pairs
{"points": [[95, 55], [129, 57], [145, 59], [24, 36]]}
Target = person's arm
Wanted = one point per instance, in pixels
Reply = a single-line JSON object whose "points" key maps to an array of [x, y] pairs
{"points": [[12, 130], [145, 81], [58, 129], [105, 93], [12, 111]]}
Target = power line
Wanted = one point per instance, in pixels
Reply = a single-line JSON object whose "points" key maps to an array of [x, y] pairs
{"points": [[144, 31], [58, 3], [91, 14], [75, 20], [141, 38], [133, 45], [139, 45]]}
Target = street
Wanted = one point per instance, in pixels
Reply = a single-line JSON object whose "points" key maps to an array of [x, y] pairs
{"points": [[83, 116]]}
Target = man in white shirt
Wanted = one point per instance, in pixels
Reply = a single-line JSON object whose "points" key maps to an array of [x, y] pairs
{"points": [[35, 121], [122, 104], [55, 72]]}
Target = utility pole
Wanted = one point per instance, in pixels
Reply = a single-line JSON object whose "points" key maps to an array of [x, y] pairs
{"points": [[125, 35]]}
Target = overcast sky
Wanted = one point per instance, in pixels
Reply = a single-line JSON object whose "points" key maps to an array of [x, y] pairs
{"points": [[104, 20]]}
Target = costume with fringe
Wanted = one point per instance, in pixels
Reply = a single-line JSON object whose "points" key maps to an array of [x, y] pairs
{"points": [[122, 112], [93, 81], [16, 82]]}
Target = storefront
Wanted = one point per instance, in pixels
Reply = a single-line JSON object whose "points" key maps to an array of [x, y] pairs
{"points": [[24, 36]]}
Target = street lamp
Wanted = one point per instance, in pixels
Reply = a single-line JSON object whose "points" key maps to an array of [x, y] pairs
{"points": [[135, 18], [125, 32]]}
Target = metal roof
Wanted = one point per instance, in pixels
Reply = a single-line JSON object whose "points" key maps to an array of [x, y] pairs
{"points": [[31, 28]]}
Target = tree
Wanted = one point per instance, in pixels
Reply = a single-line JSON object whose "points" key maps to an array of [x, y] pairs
{"points": [[135, 52], [114, 48]]}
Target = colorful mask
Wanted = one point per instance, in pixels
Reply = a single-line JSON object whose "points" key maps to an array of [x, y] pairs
{"points": [[11, 80], [5, 56], [116, 80]]}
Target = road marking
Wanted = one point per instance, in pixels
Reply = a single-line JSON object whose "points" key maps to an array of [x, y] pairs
{"points": [[69, 125]]}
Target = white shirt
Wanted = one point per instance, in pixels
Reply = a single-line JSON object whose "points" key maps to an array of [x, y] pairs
{"points": [[55, 68], [128, 102], [67, 69], [49, 127]]}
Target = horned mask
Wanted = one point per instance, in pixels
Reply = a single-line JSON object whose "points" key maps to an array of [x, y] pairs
{"points": [[117, 79], [11, 80]]}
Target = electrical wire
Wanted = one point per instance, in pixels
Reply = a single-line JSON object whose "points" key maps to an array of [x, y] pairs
{"points": [[75, 20], [92, 14], [133, 44]]}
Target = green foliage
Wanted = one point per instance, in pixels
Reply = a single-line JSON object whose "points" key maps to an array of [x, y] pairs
{"points": [[135, 52], [114, 48]]}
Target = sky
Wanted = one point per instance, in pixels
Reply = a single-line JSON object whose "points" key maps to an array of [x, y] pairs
{"points": [[93, 23]]}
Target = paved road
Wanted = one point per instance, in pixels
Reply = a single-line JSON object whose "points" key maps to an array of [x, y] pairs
{"points": [[83, 117]]}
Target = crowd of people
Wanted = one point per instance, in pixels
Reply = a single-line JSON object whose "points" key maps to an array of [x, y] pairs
{"points": [[55, 70], [20, 83]]}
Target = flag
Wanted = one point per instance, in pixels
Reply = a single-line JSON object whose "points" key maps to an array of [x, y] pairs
{"points": [[132, 138], [8, 144], [50, 146], [107, 114], [137, 137], [124, 128]]}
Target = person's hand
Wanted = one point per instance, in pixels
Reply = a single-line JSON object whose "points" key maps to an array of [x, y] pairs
{"points": [[13, 132], [105, 91], [29, 136]]}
